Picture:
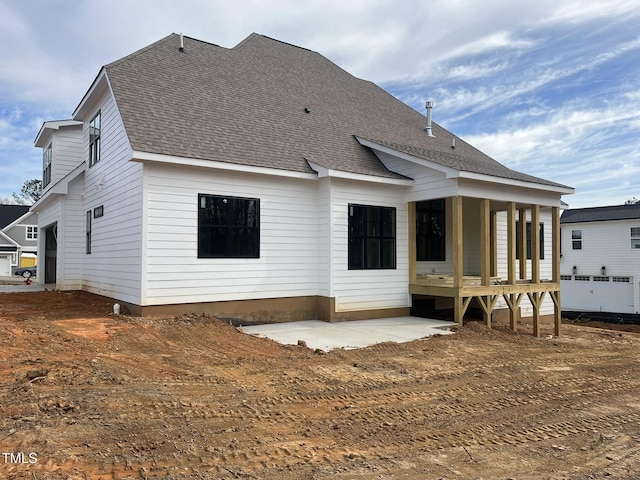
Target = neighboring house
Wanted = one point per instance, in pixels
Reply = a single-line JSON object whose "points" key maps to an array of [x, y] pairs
{"points": [[18, 238], [601, 259], [264, 182]]}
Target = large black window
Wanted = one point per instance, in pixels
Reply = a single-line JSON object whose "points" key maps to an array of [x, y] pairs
{"points": [[372, 237], [88, 233], [430, 230], [528, 233], [94, 140], [228, 227]]}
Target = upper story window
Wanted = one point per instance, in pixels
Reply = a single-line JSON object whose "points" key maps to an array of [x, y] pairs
{"points": [[528, 234], [94, 140], [46, 165], [430, 230], [576, 239], [635, 237], [372, 237], [228, 227], [32, 233]]}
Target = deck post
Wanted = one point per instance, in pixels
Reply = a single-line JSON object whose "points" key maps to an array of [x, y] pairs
{"points": [[522, 234], [485, 252], [413, 274], [535, 243], [555, 253], [458, 264], [511, 263]]}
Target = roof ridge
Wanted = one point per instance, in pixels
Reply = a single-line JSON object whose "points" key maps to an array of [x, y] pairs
{"points": [[267, 37]]}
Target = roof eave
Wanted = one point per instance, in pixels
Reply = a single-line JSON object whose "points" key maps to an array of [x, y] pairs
{"points": [[328, 172], [50, 126], [99, 86], [454, 173]]}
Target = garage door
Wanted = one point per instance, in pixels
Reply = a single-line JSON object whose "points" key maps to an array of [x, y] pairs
{"points": [[5, 265], [597, 293]]}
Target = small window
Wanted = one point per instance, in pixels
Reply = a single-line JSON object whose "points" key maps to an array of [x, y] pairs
{"points": [[600, 279], [98, 212], [228, 227], [621, 279], [582, 278], [576, 239], [528, 234], [94, 140], [430, 230], [372, 237], [565, 277], [32, 233], [46, 165], [635, 237], [88, 231]]}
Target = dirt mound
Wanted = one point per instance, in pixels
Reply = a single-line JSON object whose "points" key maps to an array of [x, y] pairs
{"points": [[88, 395]]}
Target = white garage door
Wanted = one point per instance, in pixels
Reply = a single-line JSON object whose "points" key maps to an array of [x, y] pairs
{"points": [[5, 265], [597, 293]]}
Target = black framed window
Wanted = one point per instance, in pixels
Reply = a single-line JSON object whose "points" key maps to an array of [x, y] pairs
{"points": [[94, 140], [46, 165], [430, 230], [576, 239], [228, 227], [88, 230], [372, 237], [528, 234]]}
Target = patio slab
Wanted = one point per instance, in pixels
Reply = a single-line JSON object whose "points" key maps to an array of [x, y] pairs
{"points": [[349, 335]]}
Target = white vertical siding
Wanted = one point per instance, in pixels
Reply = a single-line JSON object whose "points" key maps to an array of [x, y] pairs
{"points": [[605, 244], [114, 266], [325, 235], [288, 263], [71, 237], [368, 289]]}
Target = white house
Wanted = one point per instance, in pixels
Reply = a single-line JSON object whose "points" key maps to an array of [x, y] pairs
{"points": [[601, 259], [264, 182]]}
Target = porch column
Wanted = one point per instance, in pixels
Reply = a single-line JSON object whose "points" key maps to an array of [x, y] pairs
{"points": [[522, 233], [511, 263], [485, 254], [413, 273], [555, 252], [458, 264], [535, 244], [494, 244]]}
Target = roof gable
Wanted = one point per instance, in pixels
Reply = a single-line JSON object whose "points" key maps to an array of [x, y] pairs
{"points": [[267, 103]]}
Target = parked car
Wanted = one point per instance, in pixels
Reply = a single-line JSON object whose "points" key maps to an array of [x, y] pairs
{"points": [[26, 272]]}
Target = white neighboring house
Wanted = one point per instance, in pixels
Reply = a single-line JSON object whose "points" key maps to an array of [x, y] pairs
{"points": [[600, 263], [264, 182]]}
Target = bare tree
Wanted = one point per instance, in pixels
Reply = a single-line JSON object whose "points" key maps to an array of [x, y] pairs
{"points": [[30, 192]]}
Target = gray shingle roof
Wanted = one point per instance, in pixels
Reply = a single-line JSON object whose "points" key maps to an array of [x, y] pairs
{"points": [[267, 103], [601, 214], [10, 213]]}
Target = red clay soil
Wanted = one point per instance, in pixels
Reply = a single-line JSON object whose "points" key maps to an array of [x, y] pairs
{"points": [[88, 395]]}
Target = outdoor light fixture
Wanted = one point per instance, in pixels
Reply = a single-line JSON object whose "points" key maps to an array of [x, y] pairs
{"points": [[575, 269], [603, 270]]}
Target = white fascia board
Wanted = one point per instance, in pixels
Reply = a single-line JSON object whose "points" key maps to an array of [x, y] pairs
{"points": [[11, 241], [196, 162], [49, 126], [19, 220], [328, 172], [61, 187], [99, 86], [516, 183], [453, 173]]}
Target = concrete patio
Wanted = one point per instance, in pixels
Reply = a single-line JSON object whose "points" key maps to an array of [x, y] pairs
{"points": [[349, 335]]}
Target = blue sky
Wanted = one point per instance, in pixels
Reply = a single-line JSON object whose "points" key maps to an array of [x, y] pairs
{"points": [[550, 88]]}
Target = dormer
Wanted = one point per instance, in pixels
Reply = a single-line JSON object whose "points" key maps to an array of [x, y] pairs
{"points": [[61, 143]]}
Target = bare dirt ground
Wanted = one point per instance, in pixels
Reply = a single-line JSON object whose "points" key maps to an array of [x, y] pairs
{"points": [[86, 395]]}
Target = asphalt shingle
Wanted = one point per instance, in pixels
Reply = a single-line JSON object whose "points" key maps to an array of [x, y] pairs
{"points": [[271, 104], [601, 214]]}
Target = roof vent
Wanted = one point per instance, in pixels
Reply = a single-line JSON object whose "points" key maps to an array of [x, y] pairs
{"points": [[429, 106], [181, 43]]}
